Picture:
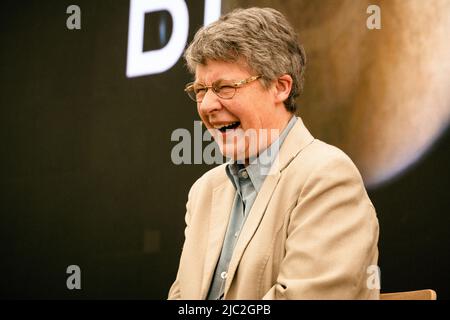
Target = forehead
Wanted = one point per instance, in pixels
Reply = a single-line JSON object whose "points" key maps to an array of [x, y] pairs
{"points": [[214, 70]]}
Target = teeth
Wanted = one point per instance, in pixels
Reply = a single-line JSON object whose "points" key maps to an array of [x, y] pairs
{"points": [[226, 126]]}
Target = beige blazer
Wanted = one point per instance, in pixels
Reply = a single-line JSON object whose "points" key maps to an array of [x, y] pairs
{"points": [[312, 232]]}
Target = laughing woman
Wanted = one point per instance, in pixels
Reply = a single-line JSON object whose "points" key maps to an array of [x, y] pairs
{"points": [[298, 225]]}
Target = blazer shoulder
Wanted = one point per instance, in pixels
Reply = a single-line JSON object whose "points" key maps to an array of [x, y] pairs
{"points": [[211, 178], [216, 175], [320, 157], [328, 151]]}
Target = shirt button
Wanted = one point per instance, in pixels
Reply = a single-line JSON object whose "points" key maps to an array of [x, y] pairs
{"points": [[236, 234], [244, 174], [223, 275]]}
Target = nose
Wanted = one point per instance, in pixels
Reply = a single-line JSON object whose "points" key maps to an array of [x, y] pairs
{"points": [[210, 103]]}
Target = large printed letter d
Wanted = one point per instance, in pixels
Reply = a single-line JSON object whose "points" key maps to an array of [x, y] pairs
{"points": [[141, 63]]}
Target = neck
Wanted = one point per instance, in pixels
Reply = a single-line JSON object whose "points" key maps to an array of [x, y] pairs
{"points": [[279, 128]]}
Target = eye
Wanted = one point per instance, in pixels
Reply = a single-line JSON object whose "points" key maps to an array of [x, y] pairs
{"points": [[199, 89], [224, 88]]}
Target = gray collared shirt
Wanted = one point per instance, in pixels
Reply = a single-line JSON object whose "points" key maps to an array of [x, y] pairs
{"points": [[247, 182]]}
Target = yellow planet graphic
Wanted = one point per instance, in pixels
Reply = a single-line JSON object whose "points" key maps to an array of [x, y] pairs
{"points": [[381, 95]]}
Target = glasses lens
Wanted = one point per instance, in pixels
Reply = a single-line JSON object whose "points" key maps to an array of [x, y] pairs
{"points": [[224, 89], [199, 92], [191, 92]]}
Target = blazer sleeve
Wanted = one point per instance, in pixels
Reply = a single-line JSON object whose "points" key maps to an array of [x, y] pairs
{"points": [[331, 238]]}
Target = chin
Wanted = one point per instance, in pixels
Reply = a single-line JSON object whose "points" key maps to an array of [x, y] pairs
{"points": [[237, 153]]}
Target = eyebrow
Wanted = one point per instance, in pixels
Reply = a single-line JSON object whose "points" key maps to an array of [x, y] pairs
{"points": [[228, 80]]}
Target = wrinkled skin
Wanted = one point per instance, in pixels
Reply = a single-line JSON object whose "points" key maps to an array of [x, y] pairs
{"points": [[383, 96]]}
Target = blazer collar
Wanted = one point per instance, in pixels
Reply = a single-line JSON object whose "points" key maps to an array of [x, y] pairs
{"points": [[298, 138]]}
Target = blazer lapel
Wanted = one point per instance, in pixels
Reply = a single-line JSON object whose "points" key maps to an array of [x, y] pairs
{"points": [[222, 202], [251, 225], [296, 141]]}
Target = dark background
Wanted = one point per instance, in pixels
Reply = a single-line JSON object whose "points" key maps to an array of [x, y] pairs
{"points": [[87, 178]]}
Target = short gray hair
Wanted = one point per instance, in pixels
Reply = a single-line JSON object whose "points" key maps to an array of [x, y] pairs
{"points": [[262, 36]]}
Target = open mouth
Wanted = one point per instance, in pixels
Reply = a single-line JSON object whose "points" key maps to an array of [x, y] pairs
{"points": [[230, 126]]}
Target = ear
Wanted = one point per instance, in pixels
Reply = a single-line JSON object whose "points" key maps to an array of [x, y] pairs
{"points": [[283, 87]]}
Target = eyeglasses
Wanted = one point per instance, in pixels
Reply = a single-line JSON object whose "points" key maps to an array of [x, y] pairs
{"points": [[224, 89]]}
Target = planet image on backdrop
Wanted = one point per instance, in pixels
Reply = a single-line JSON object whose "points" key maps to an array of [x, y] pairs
{"points": [[383, 96]]}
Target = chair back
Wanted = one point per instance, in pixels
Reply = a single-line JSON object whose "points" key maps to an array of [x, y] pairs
{"points": [[426, 294]]}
